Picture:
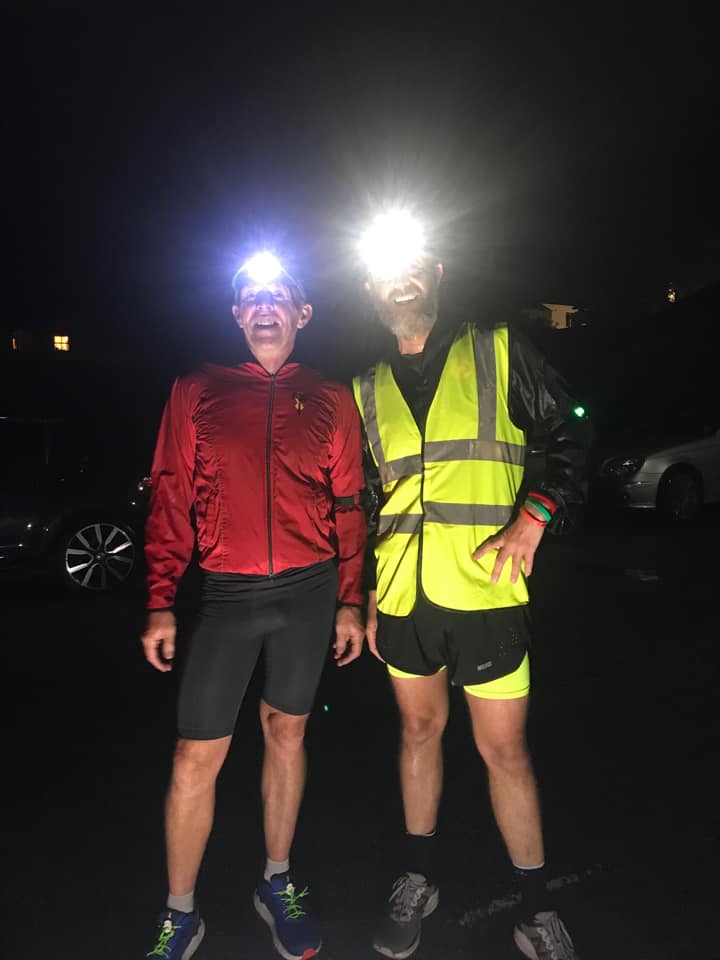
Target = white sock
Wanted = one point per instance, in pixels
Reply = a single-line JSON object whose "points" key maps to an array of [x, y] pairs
{"points": [[184, 903], [273, 867]]}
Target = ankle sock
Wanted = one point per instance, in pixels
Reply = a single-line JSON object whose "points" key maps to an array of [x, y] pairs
{"points": [[184, 903], [273, 867], [533, 895]]}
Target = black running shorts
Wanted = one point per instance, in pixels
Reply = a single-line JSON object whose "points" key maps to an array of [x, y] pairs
{"points": [[288, 618], [476, 646]]}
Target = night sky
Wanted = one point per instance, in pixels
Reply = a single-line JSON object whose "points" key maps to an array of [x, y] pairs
{"points": [[567, 157]]}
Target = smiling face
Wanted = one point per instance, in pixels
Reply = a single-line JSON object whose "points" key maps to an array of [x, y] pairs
{"points": [[270, 316], [407, 305]]}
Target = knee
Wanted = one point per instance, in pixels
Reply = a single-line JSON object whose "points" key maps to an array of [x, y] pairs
{"points": [[508, 757], [283, 733], [196, 765], [420, 729]]}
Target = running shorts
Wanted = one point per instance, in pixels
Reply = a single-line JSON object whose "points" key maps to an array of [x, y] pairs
{"points": [[477, 647], [512, 686], [287, 618]]}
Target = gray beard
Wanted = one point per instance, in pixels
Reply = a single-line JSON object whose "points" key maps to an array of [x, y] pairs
{"points": [[404, 324]]}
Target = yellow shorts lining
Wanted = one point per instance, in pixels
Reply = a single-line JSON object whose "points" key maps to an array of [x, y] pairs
{"points": [[510, 687]]}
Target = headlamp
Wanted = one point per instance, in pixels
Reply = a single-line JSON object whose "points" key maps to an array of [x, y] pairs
{"points": [[393, 242], [263, 269]]}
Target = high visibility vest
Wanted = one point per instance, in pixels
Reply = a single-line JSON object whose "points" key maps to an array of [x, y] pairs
{"points": [[446, 491]]}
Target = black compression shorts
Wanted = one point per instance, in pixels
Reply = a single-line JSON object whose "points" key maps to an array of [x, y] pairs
{"points": [[288, 618], [476, 646]]}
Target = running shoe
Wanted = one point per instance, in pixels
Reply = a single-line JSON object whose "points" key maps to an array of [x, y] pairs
{"points": [[178, 935], [284, 908], [412, 899], [545, 938]]}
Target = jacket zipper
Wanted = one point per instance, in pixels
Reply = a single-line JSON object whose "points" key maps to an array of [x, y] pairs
{"points": [[268, 445]]}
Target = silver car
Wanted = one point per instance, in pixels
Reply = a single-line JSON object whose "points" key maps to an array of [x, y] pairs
{"points": [[674, 475]]}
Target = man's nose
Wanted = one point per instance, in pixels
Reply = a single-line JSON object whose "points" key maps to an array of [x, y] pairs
{"points": [[264, 298]]}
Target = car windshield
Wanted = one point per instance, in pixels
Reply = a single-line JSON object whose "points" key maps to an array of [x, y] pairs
{"points": [[646, 423], [34, 446], [24, 443]]}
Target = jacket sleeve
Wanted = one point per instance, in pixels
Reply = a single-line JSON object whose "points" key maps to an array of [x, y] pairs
{"points": [[346, 482], [541, 404], [169, 532], [372, 501]]}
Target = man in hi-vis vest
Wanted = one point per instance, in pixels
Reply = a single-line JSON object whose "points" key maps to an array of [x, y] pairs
{"points": [[446, 417]]}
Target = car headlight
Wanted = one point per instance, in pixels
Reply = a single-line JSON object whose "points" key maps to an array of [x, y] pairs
{"points": [[622, 467]]}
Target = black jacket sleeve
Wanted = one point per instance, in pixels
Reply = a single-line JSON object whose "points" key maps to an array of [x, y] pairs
{"points": [[541, 404], [371, 500]]}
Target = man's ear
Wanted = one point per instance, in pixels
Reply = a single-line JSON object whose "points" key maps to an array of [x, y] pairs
{"points": [[305, 316], [236, 314]]}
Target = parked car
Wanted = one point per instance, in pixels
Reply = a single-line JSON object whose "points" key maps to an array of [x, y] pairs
{"points": [[673, 468], [72, 502]]}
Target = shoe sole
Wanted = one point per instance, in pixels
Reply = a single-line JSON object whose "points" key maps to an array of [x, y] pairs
{"points": [[430, 907], [524, 944], [265, 915], [195, 942]]}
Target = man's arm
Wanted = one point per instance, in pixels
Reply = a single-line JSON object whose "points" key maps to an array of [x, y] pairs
{"points": [[169, 534], [346, 482], [540, 403], [372, 500]]}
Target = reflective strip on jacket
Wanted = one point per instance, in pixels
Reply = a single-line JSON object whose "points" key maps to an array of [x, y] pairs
{"points": [[449, 490]]}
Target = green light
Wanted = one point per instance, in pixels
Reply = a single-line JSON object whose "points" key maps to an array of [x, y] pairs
{"points": [[325, 707], [579, 411]]}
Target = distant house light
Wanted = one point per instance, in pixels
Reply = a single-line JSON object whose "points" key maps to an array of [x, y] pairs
{"points": [[672, 295], [14, 343], [561, 315], [61, 342]]}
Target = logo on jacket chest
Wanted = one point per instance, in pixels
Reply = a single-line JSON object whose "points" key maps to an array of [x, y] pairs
{"points": [[299, 401]]}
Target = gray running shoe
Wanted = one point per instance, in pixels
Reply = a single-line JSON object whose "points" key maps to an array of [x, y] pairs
{"points": [[545, 938], [412, 899]]}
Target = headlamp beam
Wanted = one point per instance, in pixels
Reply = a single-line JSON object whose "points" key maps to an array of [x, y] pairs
{"points": [[393, 242], [263, 268]]}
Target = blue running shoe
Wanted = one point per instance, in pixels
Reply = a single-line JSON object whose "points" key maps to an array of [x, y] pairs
{"points": [[179, 935], [284, 908]]}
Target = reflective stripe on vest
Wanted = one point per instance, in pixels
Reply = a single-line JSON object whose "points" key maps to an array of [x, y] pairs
{"points": [[456, 486]]}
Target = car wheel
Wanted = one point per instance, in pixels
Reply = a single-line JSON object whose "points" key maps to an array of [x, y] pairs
{"points": [[97, 556], [680, 496]]}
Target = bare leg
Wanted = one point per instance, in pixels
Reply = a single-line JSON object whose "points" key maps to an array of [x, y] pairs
{"points": [[499, 732], [283, 778], [190, 807], [423, 704]]}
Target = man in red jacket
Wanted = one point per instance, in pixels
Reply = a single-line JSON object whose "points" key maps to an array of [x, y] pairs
{"points": [[267, 455]]}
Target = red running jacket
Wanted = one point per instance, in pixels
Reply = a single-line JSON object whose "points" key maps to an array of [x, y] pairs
{"points": [[271, 467]]}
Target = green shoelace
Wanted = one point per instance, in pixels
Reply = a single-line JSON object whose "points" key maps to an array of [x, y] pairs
{"points": [[162, 947], [289, 898]]}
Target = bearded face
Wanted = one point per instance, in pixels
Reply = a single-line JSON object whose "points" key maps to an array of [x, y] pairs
{"points": [[408, 305]]}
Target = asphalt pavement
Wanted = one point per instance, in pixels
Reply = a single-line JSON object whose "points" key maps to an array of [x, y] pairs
{"points": [[622, 725]]}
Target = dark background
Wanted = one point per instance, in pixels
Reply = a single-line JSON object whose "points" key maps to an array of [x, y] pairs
{"points": [[555, 153]]}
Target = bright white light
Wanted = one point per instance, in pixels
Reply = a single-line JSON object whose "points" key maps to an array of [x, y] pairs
{"points": [[392, 243], [262, 268]]}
